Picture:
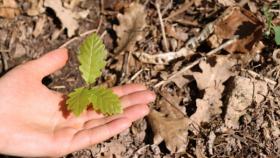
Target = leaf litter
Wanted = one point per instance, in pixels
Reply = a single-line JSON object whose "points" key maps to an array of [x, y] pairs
{"points": [[9, 9], [217, 105], [211, 81], [244, 92], [131, 27], [170, 126]]}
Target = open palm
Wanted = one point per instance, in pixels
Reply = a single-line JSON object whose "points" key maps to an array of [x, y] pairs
{"points": [[33, 120]]}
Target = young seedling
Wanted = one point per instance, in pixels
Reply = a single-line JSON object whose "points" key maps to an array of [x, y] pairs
{"points": [[271, 26], [92, 55]]}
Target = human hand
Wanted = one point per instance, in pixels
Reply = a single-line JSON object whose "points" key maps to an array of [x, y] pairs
{"points": [[31, 116]]}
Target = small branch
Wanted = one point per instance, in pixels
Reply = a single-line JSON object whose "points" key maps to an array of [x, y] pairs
{"points": [[169, 6], [76, 38], [256, 75], [102, 6], [103, 34], [185, 7], [243, 2], [4, 50], [179, 72], [224, 45], [214, 51], [135, 75], [162, 27], [186, 22]]}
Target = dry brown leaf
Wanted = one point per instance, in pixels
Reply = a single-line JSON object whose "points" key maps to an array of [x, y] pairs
{"points": [[276, 56], [10, 3], [181, 80], [207, 107], [66, 16], [253, 7], [19, 51], [9, 9], [239, 21], [9, 12], [116, 149], [71, 4], [173, 129], [211, 81], [227, 3], [214, 76], [36, 7], [244, 92], [202, 112], [176, 33], [200, 149], [131, 27], [39, 27], [197, 2]]}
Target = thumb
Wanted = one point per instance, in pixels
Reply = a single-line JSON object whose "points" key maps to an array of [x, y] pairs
{"points": [[47, 64]]}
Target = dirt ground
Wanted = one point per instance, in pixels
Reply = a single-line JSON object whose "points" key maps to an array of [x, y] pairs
{"points": [[213, 100]]}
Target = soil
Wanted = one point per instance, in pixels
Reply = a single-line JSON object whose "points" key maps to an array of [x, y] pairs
{"points": [[255, 136]]}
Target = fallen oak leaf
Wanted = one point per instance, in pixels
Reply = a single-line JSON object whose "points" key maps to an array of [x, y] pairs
{"points": [[238, 21], [172, 129], [202, 113], [39, 27], [66, 16], [227, 2], [131, 27], [211, 81], [71, 4], [9, 9], [243, 91], [207, 107], [276, 55], [36, 7], [9, 12], [214, 76], [10, 3], [200, 149]]}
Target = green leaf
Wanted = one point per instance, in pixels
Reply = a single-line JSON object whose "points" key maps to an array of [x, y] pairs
{"points": [[277, 34], [78, 100], [92, 54], [105, 101]]}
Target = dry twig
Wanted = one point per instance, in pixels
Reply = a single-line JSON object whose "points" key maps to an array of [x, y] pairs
{"points": [[76, 38], [185, 7], [256, 75], [162, 27], [169, 6], [135, 75]]}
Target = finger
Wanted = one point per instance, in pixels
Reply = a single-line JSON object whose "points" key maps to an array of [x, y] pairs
{"points": [[141, 97], [88, 137], [47, 64], [127, 89], [133, 113]]}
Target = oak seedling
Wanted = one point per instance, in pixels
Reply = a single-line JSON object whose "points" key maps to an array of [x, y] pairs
{"points": [[92, 55]]}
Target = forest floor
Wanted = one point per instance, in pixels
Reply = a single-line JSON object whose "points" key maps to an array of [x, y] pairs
{"points": [[214, 65]]}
